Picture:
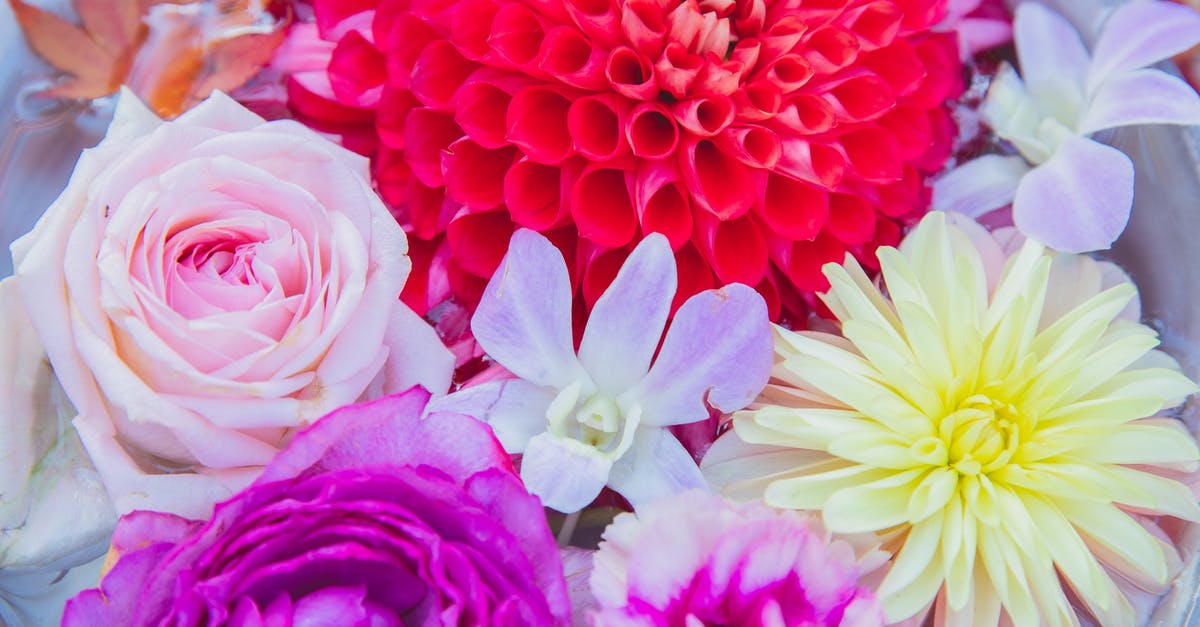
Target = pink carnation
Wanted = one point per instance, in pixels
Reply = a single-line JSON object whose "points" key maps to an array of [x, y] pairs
{"points": [[695, 559]]}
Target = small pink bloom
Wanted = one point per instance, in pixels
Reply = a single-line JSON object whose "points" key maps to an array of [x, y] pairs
{"points": [[694, 559]]}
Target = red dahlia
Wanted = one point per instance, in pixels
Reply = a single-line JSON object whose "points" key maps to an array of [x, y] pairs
{"points": [[762, 137]]}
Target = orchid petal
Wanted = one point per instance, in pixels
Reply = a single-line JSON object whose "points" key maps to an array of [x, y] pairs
{"points": [[524, 319], [627, 321], [515, 409], [1054, 62], [979, 186], [656, 466], [1079, 200], [719, 348], [1139, 34], [1141, 97], [566, 474]]}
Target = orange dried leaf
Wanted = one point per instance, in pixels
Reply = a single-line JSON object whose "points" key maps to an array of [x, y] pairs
{"points": [[68, 47]]}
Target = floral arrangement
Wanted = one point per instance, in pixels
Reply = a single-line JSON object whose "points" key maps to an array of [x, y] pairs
{"points": [[596, 312]]}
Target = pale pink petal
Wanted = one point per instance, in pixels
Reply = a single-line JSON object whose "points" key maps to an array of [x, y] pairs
{"points": [[1138, 34], [1054, 62], [718, 350], [524, 318], [1141, 97], [627, 321], [564, 473], [515, 409], [980, 185], [656, 466], [1079, 200], [980, 34], [416, 356]]}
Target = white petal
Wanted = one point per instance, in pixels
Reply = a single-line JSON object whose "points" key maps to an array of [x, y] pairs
{"points": [[656, 466], [564, 473], [979, 186], [1141, 97], [416, 356], [1054, 62], [627, 321], [37, 597], [1139, 34], [524, 318], [515, 409], [1079, 200]]}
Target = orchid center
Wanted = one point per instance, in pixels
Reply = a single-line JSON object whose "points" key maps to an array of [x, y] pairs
{"points": [[593, 419]]}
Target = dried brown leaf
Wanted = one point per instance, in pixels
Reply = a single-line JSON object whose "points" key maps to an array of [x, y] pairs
{"points": [[115, 25], [64, 45]]}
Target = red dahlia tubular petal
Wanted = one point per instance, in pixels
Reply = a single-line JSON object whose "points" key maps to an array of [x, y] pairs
{"points": [[661, 202], [887, 233], [437, 12], [651, 131], [598, 19], [357, 71], [596, 126], [630, 74], [705, 116], [478, 240], [573, 59], [695, 275], [768, 288], [944, 130], [793, 209], [861, 98], [684, 23], [943, 78], [758, 101], [736, 249], [902, 198], [475, 175], [876, 24], [719, 8], [310, 96], [394, 107], [782, 37], [600, 272], [677, 69], [815, 163], [831, 48], [789, 72], [755, 146], [749, 17], [746, 51], [714, 36], [471, 27], [643, 22], [899, 65], [911, 128], [331, 14], [720, 184], [804, 261], [438, 73], [537, 123], [920, 14], [481, 105], [517, 34], [851, 219], [407, 37], [602, 207], [807, 114], [873, 154], [531, 192], [718, 77], [427, 133]]}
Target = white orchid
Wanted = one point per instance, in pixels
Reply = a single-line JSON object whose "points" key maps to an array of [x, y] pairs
{"points": [[1068, 190]]}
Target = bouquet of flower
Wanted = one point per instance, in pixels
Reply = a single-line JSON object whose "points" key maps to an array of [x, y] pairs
{"points": [[672, 313]]}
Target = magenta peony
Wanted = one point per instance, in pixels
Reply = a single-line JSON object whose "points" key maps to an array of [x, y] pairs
{"points": [[762, 138], [694, 559], [373, 516]]}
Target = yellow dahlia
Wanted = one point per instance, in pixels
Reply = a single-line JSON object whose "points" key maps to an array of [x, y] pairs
{"points": [[991, 412]]}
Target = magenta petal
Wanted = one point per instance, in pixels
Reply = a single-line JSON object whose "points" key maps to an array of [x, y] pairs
{"points": [[595, 124], [438, 73], [793, 209], [1079, 200], [719, 349], [537, 124], [651, 131], [532, 193], [602, 207], [572, 58], [720, 183], [1141, 97], [662, 203], [705, 116], [524, 318], [656, 466], [627, 321], [630, 74], [1138, 34], [517, 34]]}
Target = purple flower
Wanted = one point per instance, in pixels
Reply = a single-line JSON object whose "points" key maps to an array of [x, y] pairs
{"points": [[694, 559], [370, 517], [600, 417]]}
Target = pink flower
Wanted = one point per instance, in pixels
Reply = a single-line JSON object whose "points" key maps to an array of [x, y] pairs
{"points": [[763, 139], [372, 517], [694, 559], [206, 286]]}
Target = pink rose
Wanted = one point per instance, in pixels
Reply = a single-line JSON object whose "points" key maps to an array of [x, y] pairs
{"points": [[207, 286]]}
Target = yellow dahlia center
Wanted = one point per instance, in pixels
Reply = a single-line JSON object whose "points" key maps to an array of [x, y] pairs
{"points": [[978, 437]]}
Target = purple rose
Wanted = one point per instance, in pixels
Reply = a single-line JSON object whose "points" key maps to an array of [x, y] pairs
{"points": [[370, 517]]}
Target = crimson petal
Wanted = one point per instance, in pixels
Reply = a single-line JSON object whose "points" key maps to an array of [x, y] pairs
{"points": [[602, 208]]}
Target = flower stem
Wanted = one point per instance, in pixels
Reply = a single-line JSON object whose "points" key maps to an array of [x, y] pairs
{"points": [[568, 529]]}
